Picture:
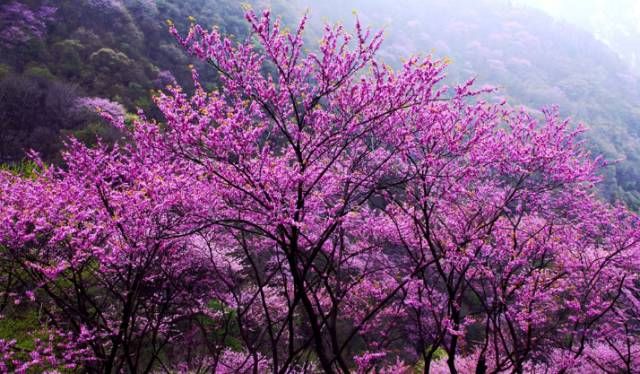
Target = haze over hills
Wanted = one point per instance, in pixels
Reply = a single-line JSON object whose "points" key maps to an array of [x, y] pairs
{"points": [[536, 60], [616, 23]]}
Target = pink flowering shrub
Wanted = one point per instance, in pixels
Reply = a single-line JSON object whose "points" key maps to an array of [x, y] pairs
{"points": [[164, 78], [113, 110]]}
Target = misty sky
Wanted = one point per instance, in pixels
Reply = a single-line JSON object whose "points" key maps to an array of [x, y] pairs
{"points": [[615, 22]]}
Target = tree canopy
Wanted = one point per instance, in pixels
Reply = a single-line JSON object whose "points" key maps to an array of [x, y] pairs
{"points": [[320, 211]]}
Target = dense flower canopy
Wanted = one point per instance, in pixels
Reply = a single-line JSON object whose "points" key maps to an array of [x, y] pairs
{"points": [[114, 110], [19, 23], [322, 212]]}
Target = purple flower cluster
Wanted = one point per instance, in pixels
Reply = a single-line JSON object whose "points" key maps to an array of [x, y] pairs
{"points": [[164, 78], [20, 23], [102, 106]]}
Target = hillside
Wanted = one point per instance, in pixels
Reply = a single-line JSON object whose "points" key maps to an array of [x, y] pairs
{"points": [[533, 59], [114, 50], [120, 50]]}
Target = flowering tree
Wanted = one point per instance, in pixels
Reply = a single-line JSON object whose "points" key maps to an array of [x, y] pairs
{"points": [[98, 104], [323, 212], [97, 254], [516, 241], [19, 23]]}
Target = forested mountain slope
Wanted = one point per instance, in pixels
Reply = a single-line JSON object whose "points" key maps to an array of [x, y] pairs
{"points": [[120, 50], [117, 50], [533, 59], [614, 23]]}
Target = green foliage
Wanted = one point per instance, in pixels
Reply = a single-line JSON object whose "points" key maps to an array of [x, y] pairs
{"points": [[5, 70], [228, 333], [109, 61], [23, 326], [438, 354], [23, 168], [67, 57], [37, 71], [90, 134]]}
